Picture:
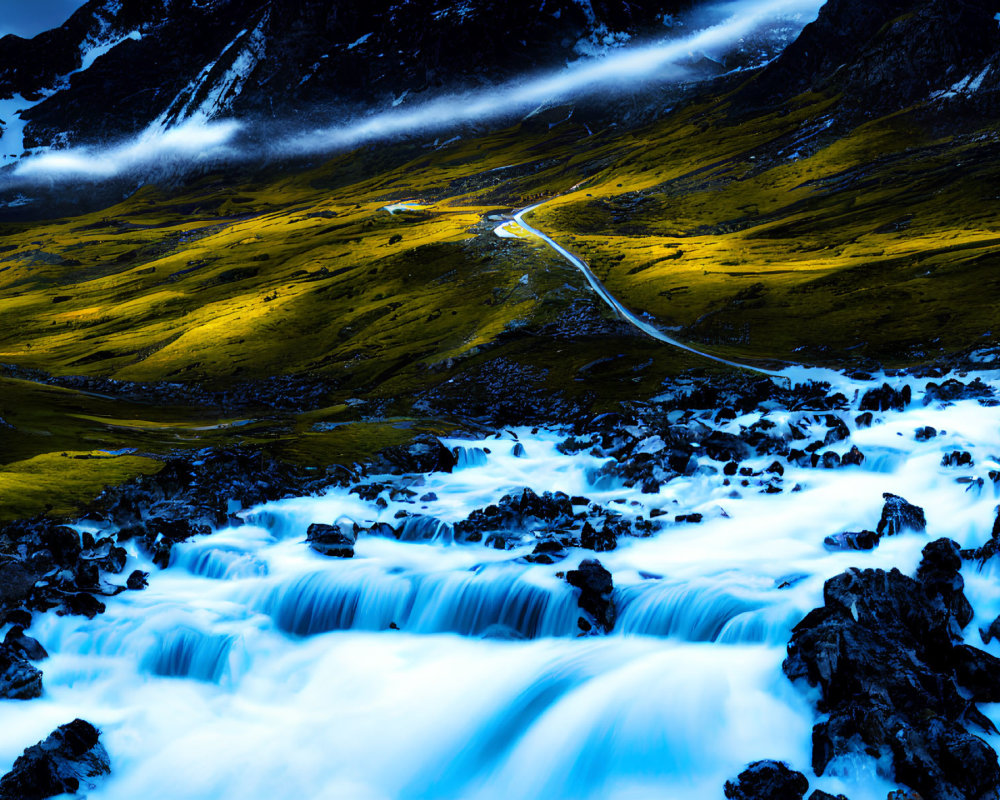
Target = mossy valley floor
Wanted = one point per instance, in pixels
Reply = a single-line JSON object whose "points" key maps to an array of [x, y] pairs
{"points": [[781, 238]]}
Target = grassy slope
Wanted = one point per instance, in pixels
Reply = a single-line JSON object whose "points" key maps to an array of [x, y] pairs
{"points": [[884, 242], [761, 240]]}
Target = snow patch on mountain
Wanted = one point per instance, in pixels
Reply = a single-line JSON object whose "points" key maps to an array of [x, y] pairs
{"points": [[12, 128], [211, 94], [968, 85]]}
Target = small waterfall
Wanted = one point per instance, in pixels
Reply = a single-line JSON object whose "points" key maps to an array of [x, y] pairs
{"points": [[695, 611], [360, 597], [218, 563], [279, 521], [470, 602], [884, 460], [469, 457], [424, 528], [190, 653]]}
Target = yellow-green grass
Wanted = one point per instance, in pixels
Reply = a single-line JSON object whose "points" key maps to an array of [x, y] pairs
{"points": [[770, 239], [885, 243], [58, 483]]}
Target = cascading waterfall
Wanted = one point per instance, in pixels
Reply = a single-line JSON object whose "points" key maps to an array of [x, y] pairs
{"points": [[424, 667]]}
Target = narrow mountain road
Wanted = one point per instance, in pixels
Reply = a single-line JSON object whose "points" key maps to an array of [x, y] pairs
{"points": [[612, 301]]}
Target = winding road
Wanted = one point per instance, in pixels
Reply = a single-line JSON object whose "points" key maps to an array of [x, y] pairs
{"points": [[648, 329]]}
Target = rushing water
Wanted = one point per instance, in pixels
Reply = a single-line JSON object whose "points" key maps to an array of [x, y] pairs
{"points": [[256, 668]]}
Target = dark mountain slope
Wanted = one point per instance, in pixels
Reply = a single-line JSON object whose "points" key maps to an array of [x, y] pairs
{"points": [[174, 60], [884, 56]]}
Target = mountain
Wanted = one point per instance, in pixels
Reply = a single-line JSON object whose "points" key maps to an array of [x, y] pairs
{"points": [[884, 56], [118, 66]]}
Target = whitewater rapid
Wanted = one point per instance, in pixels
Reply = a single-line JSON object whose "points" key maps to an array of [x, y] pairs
{"points": [[255, 668]]}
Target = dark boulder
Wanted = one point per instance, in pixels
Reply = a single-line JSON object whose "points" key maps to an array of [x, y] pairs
{"points": [[898, 515], [19, 679], [721, 446], [951, 390], [596, 586], [885, 398], [158, 535], [82, 604], [957, 458], [336, 541], [838, 430], [852, 540], [68, 760], [924, 434], [767, 780], [137, 580], [599, 541], [29, 647], [521, 511], [895, 679], [63, 543], [424, 454], [547, 551], [853, 458]]}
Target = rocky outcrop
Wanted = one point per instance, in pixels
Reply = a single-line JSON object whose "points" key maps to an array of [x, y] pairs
{"points": [[70, 759], [895, 681], [19, 679], [336, 541], [518, 512], [887, 55], [898, 516], [424, 454], [173, 60], [767, 780], [596, 586]]}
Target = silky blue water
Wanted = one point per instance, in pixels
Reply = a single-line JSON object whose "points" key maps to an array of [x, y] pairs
{"points": [[256, 668]]}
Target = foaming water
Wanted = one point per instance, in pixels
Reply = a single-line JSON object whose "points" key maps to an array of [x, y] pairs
{"points": [[425, 667]]}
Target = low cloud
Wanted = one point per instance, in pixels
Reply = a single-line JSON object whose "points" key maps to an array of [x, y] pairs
{"points": [[717, 30]]}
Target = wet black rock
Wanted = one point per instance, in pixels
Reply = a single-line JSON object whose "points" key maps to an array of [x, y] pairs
{"points": [[519, 512], [925, 433], [82, 604], [202, 489], [336, 541], [547, 551], [63, 543], [19, 679], [68, 760], [158, 535], [721, 446], [838, 430], [885, 398], [767, 780], [829, 459], [424, 454], [895, 680], [137, 580], [951, 390], [596, 587], [853, 458], [898, 515], [819, 794], [957, 458], [852, 540], [29, 647], [602, 540]]}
